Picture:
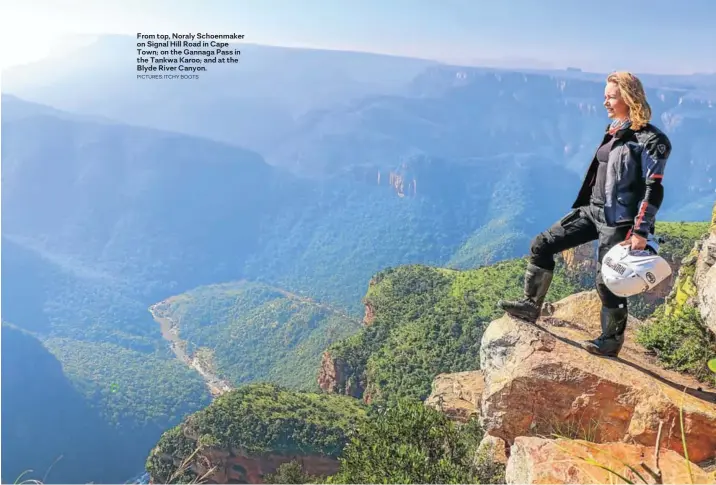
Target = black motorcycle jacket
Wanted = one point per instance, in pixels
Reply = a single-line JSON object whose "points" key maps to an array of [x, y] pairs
{"points": [[635, 169]]}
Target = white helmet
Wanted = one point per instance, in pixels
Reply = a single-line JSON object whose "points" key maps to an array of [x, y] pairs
{"points": [[627, 273]]}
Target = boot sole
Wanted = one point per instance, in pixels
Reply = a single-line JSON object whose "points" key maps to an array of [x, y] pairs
{"points": [[529, 319], [596, 352]]}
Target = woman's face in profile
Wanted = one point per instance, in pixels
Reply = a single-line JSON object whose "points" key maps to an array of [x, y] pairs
{"points": [[613, 102]]}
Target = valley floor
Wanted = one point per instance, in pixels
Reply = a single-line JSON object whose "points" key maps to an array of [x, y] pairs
{"points": [[170, 333]]}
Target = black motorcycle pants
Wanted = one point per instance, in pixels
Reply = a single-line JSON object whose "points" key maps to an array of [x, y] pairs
{"points": [[578, 227]]}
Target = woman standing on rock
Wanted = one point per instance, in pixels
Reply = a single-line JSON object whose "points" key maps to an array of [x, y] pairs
{"points": [[617, 203]]}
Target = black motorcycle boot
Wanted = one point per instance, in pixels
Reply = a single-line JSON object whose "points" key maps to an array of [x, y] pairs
{"points": [[537, 282], [610, 342]]}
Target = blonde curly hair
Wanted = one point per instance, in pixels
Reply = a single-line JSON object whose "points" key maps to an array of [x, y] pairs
{"points": [[632, 92]]}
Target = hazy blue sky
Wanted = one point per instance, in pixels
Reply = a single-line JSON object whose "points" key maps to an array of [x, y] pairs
{"points": [[655, 35]]}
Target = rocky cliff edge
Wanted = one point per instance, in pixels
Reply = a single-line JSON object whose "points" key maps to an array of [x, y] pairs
{"points": [[536, 384]]}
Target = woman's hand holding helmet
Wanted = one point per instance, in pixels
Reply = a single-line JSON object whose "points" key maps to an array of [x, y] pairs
{"points": [[636, 241]]}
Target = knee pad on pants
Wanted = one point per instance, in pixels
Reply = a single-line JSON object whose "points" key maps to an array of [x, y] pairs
{"points": [[539, 254]]}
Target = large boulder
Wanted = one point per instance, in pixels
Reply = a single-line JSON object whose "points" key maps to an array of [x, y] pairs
{"points": [[457, 395], [538, 381], [540, 460]]}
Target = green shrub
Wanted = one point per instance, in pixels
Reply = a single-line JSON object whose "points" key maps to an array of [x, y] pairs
{"points": [[681, 342], [259, 418], [291, 472], [428, 321], [411, 443]]}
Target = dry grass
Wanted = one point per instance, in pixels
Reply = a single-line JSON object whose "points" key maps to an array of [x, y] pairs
{"points": [[574, 429], [655, 473], [186, 464]]}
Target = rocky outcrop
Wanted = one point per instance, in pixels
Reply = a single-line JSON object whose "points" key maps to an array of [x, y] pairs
{"points": [[581, 258], [538, 382], [333, 377], [457, 395], [540, 460], [696, 282], [495, 447], [252, 430], [369, 314], [705, 276], [692, 282], [401, 185], [663, 289], [236, 466]]}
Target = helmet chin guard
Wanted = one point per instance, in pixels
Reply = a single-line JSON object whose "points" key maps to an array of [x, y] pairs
{"points": [[627, 273]]}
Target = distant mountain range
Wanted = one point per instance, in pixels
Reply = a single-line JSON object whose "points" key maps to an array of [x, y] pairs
{"points": [[322, 112], [306, 170], [163, 212], [250, 104]]}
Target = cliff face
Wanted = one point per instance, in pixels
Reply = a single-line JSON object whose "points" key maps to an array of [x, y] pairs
{"points": [[401, 180], [250, 431], [334, 374], [580, 259], [369, 314], [696, 283], [235, 465], [705, 276], [332, 377], [457, 395]]}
